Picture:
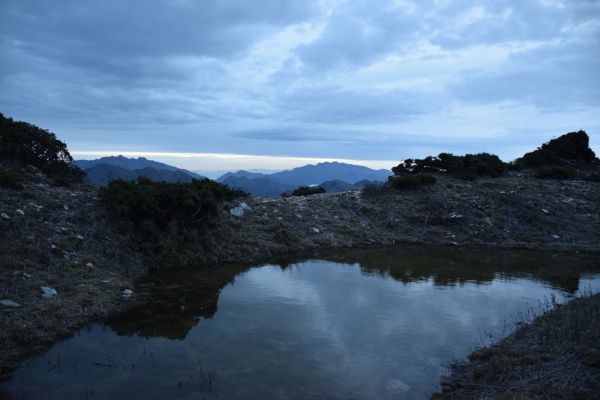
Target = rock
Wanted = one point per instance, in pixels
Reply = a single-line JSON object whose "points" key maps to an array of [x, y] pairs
{"points": [[4, 216], [66, 207], [455, 215], [396, 386], [237, 212], [127, 293], [556, 237], [545, 211], [316, 230], [89, 265], [20, 212], [79, 237], [48, 292], [245, 206], [9, 303]]}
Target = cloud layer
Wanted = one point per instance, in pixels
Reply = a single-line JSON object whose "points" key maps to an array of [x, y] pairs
{"points": [[328, 78]]}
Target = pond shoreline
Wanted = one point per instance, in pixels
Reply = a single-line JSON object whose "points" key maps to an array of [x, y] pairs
{"points": [[62, 239], [555, 356]]}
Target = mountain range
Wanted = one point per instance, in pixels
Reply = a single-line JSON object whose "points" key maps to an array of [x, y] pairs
{"points": [[335, 175], [103, 170], [332, 176]]}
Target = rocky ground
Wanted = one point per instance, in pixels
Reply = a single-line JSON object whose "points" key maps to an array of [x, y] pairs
{"points": [[555, 357], [60, 238]]}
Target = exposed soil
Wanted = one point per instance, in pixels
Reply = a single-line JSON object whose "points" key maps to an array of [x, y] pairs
{"points": [[61, 238], [555, 357]]}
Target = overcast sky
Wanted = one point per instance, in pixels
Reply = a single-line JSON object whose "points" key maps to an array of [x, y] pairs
{"points": [[292, 80]]}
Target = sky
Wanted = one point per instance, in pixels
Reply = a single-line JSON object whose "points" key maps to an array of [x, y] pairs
{"points": [[231, 84]]}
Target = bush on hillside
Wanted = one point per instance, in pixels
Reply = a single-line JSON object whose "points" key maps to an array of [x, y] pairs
{"points": [[410, 181], [569, 149], [469, 166], [10, 179], [23, 144], [153, 207], [556, 172], [592, 177], [308, 191]]}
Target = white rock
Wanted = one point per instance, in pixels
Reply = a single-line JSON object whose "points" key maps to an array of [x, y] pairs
{"points": [[4, 216], [89, 265], [9, 303], [545, 211], [245, 207], [316, 230], [237, 212], [127, 293], [66, 207], [48, 292], [20, 212], [396, 386], [79, 237], [556, 236]]}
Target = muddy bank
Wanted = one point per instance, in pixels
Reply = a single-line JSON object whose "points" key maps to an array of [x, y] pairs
{"points": [[557, 356], [62, 239]]}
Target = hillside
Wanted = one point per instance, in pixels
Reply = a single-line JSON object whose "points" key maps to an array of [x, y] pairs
{"points": [[132, 164]]}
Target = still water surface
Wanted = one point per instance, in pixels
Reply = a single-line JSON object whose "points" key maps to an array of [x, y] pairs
{"points": [[375, 324]]}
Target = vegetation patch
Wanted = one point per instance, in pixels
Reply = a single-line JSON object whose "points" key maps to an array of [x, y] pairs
{"points": [[469, 166], [408, 181], [10, 179], [556, 172], [571, 149], [308, 191], [150, 209], [23, 144]]}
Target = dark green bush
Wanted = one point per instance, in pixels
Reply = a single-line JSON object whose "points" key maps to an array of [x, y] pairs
{"points": [[308, 191], [556, 172], [469, 166], [23, 144], [410, 181], [593, 177], [151, 207], [10, 179], [569, 149]]}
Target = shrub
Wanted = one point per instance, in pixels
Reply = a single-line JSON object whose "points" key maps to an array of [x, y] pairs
{"points": [[469, 166], [25, 144], [409, 181], [152, 207], [593, 177], [308, 191], [10, 179], [556, 172], [569, 149]]}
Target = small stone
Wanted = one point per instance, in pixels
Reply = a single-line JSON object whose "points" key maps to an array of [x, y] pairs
{"points": [[396, 386], [66, 207], [556, 237], [245, 207], [237, 212], [9, 303], [89, 265], [316, 230], [4, 216], [48, 292], [127, 293], [79, 237], [20, 212], [545, 211]]}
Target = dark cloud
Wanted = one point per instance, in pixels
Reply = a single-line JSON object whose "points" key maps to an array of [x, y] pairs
{"points": [[325, 78]]}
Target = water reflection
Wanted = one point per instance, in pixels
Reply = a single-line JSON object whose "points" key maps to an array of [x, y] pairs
{"points": [[362, 324]]}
